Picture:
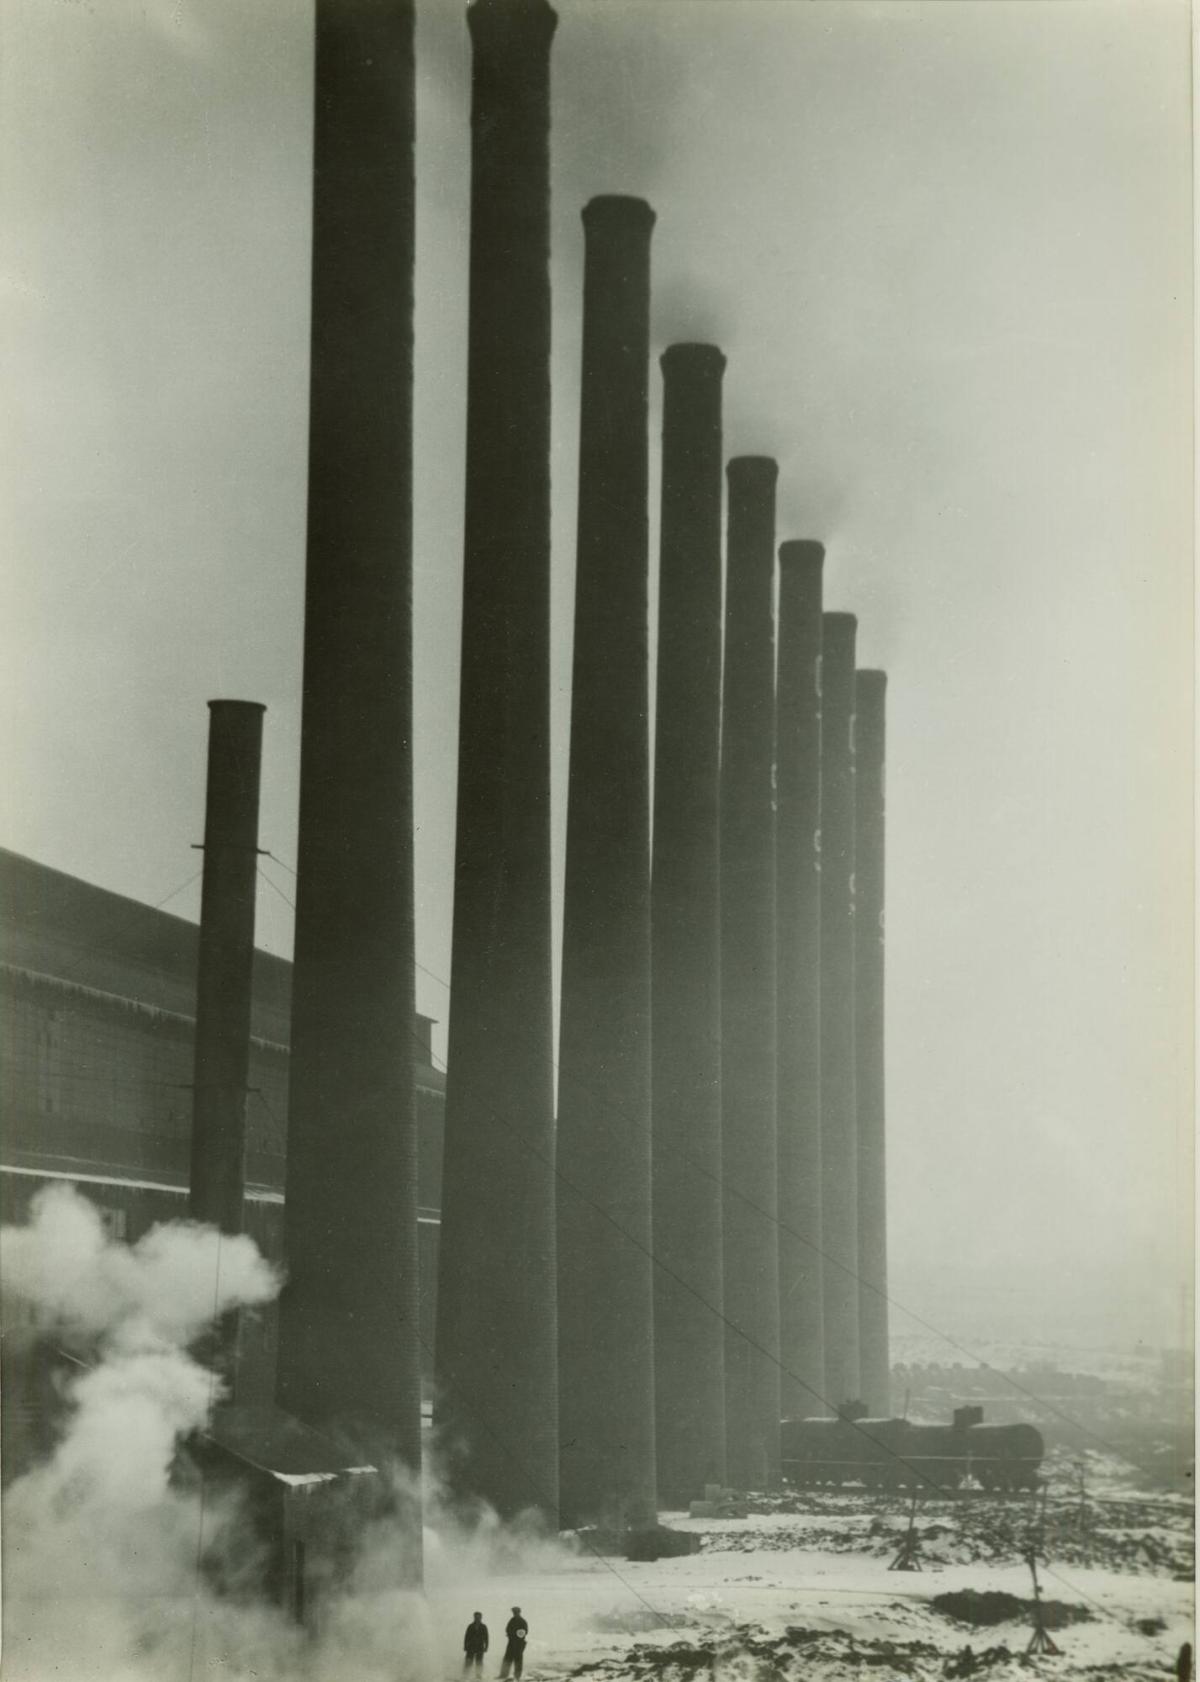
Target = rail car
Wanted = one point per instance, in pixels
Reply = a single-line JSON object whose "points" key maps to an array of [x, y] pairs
{"points": [[895, 1453]]}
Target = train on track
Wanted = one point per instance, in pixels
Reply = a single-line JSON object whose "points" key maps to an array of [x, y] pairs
{"points": [[896, 1453]]}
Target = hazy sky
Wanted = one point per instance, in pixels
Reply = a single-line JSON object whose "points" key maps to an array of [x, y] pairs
{"points": [[946, 246]]}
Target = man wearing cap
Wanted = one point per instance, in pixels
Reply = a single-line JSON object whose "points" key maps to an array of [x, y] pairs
{"points": [[475, 1645], [517, 1631]]}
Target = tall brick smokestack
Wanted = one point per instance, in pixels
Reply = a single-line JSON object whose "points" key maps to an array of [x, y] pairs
{"points": [[870, 778], [224, 972], [686, 936], [348, 1350], [605, 1285], [749, 1152], [839, 1150], [496, 1360], [798, 972]]}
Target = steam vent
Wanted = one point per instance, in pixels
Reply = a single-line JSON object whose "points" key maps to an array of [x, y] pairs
{"points": [[839, 1150], [348, 1349], [686, 936], [870, 778], [605, 1289], [749, 1158], [798, 972], [496, 1364]]}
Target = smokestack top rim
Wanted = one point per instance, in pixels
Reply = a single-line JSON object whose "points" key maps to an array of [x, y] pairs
{"points": [[798, 552], [625, 210], [690, 356], [516, 18], [873, 678], [752, 467], [245, 706]]}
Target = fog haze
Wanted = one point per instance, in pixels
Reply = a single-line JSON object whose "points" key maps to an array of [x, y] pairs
{"points": [[946, 247]]}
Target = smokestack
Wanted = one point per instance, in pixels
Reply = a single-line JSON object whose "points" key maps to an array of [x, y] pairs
{"points": [[749, 1150], [870, 740], [224, 972], [348, 1354], [798, 972], [686, 936], [496, 1357], [605, 1286], [839, 1149]]}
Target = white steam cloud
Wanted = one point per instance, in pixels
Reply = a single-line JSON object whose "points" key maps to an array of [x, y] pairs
{"points": [[158, 1294], [103, 1546]]}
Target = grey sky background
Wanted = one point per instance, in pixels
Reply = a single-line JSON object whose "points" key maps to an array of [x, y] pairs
{"points": [[946, 246]]}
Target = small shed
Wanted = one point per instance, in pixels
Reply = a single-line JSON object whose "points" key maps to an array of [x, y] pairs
{"points": [[305, 1497]]}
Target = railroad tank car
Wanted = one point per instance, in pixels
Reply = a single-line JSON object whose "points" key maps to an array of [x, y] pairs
{"points": [[1004, 1456], [895, 1453]]}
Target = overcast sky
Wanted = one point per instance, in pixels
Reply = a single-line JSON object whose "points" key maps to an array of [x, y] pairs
{"points": [[946, 246]]}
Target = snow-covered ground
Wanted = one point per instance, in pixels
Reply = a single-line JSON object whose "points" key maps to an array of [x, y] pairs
{"points": [[801, 1587]]}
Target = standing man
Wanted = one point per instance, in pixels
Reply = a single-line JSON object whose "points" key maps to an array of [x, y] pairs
{"points": [[475, 1645], [517, 1631]]}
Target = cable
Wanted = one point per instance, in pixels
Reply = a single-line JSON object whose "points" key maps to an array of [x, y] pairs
{"points": [[738, 1331], [1005, 1538], [782, 1226], [534, 1486], [758, 1347], [275, 885], [268, 854], [128, 918]]}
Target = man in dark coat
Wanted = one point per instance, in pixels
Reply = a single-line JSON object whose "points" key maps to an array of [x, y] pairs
{"points": [[475, 1644], [517, 1631]]}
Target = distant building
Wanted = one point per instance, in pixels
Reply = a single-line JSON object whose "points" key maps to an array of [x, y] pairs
{"points": [[97, 1002]]}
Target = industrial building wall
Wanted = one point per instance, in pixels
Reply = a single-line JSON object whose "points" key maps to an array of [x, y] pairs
{"points": [[92, 1079], [95, 1080]]}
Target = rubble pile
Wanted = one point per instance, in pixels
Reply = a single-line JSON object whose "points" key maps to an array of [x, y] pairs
{"points": [[992, 1606]]}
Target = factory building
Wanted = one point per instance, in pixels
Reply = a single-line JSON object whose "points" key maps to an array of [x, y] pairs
{"points": [[97, 1014]]}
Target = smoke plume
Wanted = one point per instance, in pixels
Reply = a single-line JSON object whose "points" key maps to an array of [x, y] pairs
{"points": [[110, 1556]]}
